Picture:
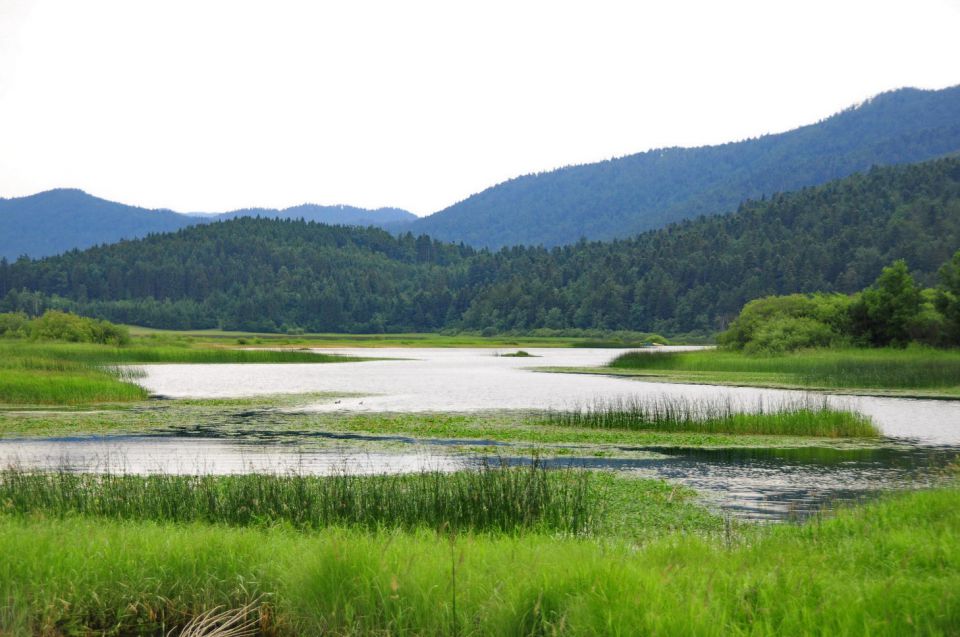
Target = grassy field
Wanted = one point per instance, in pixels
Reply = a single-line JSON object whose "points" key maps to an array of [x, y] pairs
{"points": [[896, 372], [800, 418], [889, 568], [57, 373]]}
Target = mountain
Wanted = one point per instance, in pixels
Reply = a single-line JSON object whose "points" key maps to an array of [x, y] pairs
{"points": [[332, 215], [265, 274], [625, 196], [55, 221]]}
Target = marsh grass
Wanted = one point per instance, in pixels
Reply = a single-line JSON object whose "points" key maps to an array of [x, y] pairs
{"points": [[806, 417], [48, 373], [911, 368], [492, 498]]}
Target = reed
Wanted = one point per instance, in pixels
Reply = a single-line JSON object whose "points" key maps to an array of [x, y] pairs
{"points": [[492, 498], [806, 417]]}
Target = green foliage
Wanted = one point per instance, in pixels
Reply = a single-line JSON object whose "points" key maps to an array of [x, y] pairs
{"points": [[894, 311], [64, 326], [269, 275], [884, 312], [947, 300], [787, 334], [785, 323], [14, 324]]}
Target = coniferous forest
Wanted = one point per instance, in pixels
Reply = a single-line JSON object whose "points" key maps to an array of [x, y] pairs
{"points": [[696, 275]]}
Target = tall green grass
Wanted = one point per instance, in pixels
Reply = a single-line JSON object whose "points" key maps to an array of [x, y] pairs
{"points": [[93, 354], [912, 368], [890, 568], [490, 499], [680, 414], [50, 373]]}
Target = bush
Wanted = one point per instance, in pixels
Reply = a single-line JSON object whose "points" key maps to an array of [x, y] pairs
{"points": [[783, 323], [55, 325], [13, 324], [787, 334]]}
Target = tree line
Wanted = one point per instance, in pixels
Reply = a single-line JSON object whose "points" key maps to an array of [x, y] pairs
{"points": [[894, 311], [693, 276]]}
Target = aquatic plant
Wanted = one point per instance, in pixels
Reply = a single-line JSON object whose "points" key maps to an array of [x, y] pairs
{"points": [[492, 498], [805, 417]]}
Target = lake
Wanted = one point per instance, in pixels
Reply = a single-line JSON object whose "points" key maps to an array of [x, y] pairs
{"points": [[922, 436]]}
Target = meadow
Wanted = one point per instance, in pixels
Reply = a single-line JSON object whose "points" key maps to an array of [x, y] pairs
{"points": [[888, 568], [924, 371]]}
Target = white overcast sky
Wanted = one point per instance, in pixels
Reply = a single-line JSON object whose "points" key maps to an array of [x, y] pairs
{"points": [[213, 105]]}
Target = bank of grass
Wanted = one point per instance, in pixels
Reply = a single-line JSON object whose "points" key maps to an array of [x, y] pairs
{"points": [[542, 338], [920, 370], [707, 416], [491, 498], [59, 373], [888, 568]]}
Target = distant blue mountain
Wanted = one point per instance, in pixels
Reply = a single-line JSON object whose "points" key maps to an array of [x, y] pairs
{"points": [[625, 196], [64, 219]]}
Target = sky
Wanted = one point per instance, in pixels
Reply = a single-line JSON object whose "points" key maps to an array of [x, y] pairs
{"points": [[208, 105]]}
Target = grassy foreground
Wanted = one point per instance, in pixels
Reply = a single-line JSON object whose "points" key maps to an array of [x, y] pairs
{"points": [[918, 371], [889, 568], [57, 373]]}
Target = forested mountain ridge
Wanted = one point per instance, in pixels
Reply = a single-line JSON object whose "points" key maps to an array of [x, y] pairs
{"points": [[260, 274], [54, 221], [621, 197]]}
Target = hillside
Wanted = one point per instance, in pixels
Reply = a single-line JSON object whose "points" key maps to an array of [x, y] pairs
{"points": [[260, 274], [625, 196], [55, 221]]}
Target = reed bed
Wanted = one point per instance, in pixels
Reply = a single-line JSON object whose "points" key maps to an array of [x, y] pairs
{"points": [[911, 368], [492, 498], [806, 417]]}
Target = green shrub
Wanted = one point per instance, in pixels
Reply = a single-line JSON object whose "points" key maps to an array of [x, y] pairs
{"points": [[55, 325], [13, 324], [787, 334]]}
